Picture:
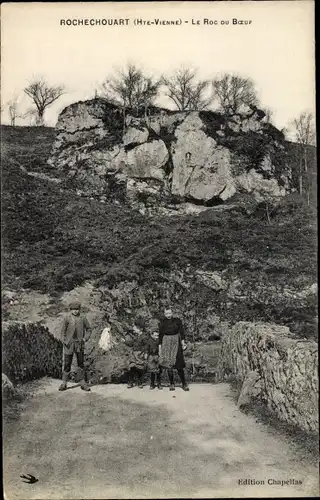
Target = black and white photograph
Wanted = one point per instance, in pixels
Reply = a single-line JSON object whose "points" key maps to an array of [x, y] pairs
{"points": [[159, 250]]}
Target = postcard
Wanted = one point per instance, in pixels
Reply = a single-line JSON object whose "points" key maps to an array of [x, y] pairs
{"points": [[159, 284]]}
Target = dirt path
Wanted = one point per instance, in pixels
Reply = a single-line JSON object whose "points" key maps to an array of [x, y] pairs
{"points": [[120, 443]]}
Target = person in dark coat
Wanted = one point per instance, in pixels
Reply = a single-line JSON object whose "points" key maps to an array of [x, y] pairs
{"points": [[74, 334], [137, 363], [171, 346]]}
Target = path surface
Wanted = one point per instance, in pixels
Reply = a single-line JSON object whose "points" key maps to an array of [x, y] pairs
{"points": [[120, 443]]}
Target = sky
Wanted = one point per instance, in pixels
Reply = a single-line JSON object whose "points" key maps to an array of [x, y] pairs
{"points": [[276, 49]]}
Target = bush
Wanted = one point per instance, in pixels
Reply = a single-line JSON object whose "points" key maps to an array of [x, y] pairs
{"points": [[30, 352]]}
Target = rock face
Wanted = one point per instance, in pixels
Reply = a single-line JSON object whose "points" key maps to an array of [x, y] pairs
{"points": [[195, 157], [201, 168], [285, 370], [251, 389], [8, 390], [146, 161]]}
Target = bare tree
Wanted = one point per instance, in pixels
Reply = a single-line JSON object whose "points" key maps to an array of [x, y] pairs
{"points": [[304, 130], [185, 91], [43, 95], [32, 115], [233, 92], [13, 110], [268, 115], [131, 89]]}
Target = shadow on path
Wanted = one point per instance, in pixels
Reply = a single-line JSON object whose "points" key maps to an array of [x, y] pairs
{"points": [[115, 443]]}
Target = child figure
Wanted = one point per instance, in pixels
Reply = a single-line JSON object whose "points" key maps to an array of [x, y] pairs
{"points": [[153, 360], [136, 362], [137, 368]]}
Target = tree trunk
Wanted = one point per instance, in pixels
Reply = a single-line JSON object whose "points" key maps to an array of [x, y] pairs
{"points": [[146, 114], [305, 160], [124, 119], [40, 118], [300, 184], [308, 197], [300, 176]]}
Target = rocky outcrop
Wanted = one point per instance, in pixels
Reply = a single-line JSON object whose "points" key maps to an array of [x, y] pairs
{"points": [[201, 168], [251, 389], [146, 161], [195, 157], [135, 135], [201, 363], [285, 370], [8, 390]]}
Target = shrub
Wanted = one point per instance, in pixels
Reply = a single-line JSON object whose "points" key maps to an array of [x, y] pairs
{"points": [[30, 351]]}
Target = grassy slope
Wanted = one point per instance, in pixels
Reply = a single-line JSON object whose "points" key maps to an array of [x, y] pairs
{"points": [[54, 240]]}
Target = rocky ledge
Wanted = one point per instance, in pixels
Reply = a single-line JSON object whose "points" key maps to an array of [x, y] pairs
{"points": [[165, 157]]}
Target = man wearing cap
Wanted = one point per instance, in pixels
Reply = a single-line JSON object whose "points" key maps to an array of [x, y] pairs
{"points": [[74, 334]]}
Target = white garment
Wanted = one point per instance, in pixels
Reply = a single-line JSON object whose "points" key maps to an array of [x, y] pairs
{"points": [[106, 341]]}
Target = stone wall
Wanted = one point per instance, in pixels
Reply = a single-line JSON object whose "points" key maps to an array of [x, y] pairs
{"points": [[286, 368], [29, 352]]}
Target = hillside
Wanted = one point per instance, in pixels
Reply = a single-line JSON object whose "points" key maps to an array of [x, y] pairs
{"points": [[222, 265]]}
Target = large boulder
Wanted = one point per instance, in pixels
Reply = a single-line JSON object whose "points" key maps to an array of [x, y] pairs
{"points": [[201, 363], [147, 160], [198, 157], [8, 390], [201, 168], [135, 135], [262, 188]]}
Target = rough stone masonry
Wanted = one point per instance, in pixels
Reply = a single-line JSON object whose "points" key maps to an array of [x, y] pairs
{"points": [[286, 370]]}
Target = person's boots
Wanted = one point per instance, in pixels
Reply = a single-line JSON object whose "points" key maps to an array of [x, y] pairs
{"points": [[183, 380], [171, 380], [83, 384], [63, 386], [159, 381], [152, 381]]}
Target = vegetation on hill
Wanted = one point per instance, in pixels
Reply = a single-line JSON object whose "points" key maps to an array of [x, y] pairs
{"points": [[54, 240]]}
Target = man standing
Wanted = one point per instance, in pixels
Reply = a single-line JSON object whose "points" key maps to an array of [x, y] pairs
{"points": [[171, 346], [74, 334]]}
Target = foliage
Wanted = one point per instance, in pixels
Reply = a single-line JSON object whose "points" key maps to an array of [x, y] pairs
{"points": [[233, 92], [304, 155], [131, 88], [304, 129], [30, 352], [185, 91]]}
